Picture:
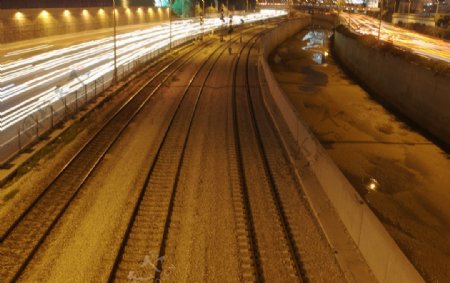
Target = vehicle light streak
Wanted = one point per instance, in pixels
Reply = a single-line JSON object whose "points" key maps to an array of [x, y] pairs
{"points": [[33, 83], [420, 44], [23, 51]]}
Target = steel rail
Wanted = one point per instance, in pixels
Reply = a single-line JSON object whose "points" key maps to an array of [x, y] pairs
{"points": [[268, 171]]}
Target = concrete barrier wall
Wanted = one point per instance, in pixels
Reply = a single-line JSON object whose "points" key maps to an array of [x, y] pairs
{"points": [[415, 91], [413, 18], [382, 254], [25, 24]]}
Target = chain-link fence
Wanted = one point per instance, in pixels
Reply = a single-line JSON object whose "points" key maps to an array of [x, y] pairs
{"points": [[65, 103]]}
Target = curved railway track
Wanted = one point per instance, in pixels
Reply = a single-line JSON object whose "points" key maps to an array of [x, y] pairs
{"points": [[24, 237], [247, 103], [243, 214], [149, 225]]}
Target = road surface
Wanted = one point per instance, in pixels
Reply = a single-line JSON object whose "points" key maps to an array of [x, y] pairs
{"points": [[426, 46]]}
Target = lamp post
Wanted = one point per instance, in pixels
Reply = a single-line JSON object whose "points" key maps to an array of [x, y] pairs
{"points": [[115, 41], [349, 22], [437, 9], [203, 9], [202, 17], [379, 25], [170, 24]]}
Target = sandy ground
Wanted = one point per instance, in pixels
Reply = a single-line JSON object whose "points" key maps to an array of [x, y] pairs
{"points": [[402, 174]]}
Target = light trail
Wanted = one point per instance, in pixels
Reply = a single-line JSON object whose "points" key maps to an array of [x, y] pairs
{"points": [[33, 83], [23, 51], [420, 44]]}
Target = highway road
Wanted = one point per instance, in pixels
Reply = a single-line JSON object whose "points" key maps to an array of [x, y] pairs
{"points": [[31, 83], [420, 44]]}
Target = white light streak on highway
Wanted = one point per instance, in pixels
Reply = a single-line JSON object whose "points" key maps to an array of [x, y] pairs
{"points": [[29, 84], [423, 45]]}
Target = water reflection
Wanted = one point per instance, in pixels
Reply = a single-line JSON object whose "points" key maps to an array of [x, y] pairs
{"points": [[316, 43], [373, 185]]}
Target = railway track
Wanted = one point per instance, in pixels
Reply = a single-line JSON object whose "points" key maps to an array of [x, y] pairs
{"points": [[24, 237], [243, 102], [255, 196], [245, 228], [146, 236]]}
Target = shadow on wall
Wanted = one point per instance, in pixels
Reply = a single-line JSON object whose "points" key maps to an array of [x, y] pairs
{"points": [[25, 24]]}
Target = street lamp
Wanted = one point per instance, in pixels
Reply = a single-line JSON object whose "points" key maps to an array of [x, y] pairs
{"points": [[202, 17], [115, 41], [437, 9], [379, 25], [170, 24], [203, 9]]}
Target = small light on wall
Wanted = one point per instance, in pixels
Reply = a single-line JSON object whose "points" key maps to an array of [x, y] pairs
{"points": [[19, 15], [44, 14], [66, 13], [85, 13], [101, 12], [139, 10], [150, 12]]}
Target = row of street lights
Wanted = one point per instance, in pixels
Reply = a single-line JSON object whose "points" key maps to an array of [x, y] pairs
{"points": [[170, 29]]}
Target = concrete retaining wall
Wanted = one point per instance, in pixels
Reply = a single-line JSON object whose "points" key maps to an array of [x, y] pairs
{"points": [[384, 257], [25, 24], [415, 91]]}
